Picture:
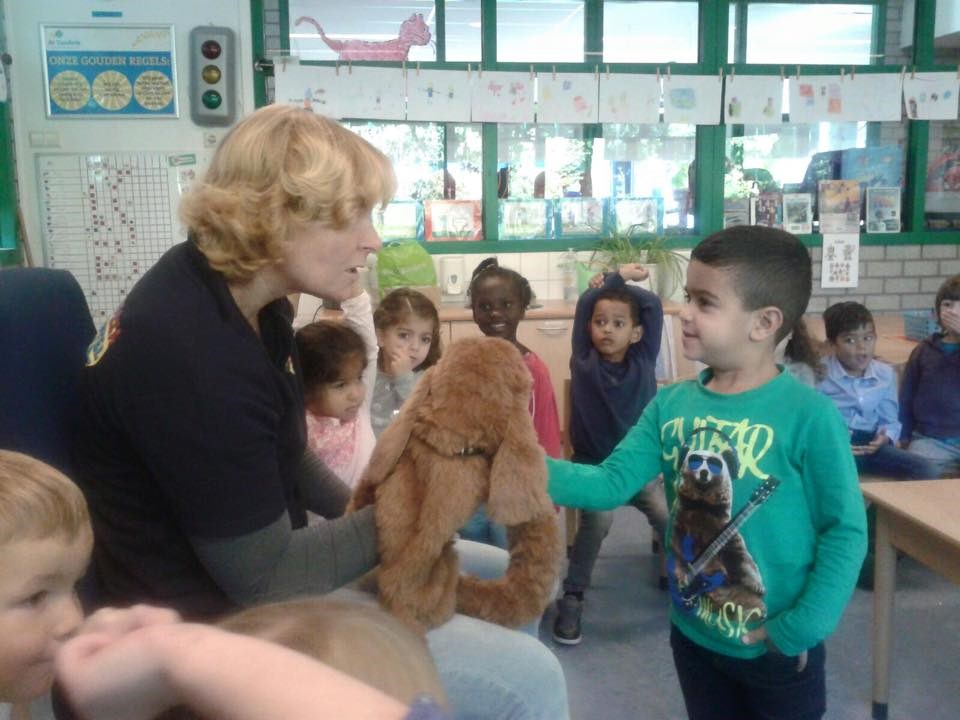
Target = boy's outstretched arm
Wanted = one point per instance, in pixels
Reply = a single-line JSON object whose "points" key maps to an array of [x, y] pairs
{"points": [[631, 465], [837, 512]]}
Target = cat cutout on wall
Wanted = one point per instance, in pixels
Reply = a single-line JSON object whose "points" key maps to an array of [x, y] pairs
{"points": [[413, 31]]}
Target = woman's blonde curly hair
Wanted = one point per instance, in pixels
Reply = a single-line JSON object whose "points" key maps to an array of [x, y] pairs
{"points": [[278, 167]]}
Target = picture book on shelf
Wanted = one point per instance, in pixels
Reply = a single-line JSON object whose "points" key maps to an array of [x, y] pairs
{"points": [[400, 220], [524, 219], [737, 211], [797, 213], [769, 210], [883, 209], [645, 214], [839, 206], [578, 216], [452, 220]]}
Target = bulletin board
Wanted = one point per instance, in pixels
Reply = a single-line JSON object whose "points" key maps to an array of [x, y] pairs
{"points": [[108, 217]]}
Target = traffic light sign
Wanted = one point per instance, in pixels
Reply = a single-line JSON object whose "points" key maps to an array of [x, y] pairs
{"points": [[212, 75]]}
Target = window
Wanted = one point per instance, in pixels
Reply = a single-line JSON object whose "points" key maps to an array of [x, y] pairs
{"points": [[650, 32], [463, 30], [546, 31], [806, 34], [764, 161]]}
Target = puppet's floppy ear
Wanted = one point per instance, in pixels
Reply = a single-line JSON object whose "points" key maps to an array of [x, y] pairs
{"points": [[518, 474], [390, 445]]}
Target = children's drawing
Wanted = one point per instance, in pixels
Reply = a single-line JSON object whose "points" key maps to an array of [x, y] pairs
{"points": [[753, 99], [692, 99], [931, 96], [567, 98], [629, 99], [311, 87], [871, 97], [502, 97], [413, 31], [452, 220], [372, 93], [438, 95]]}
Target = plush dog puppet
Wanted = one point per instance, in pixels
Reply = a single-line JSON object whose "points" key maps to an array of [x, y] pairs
{"points": [[464, 437]]}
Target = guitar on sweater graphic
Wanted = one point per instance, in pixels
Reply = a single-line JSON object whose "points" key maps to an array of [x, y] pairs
{"points": [[413, 31]]}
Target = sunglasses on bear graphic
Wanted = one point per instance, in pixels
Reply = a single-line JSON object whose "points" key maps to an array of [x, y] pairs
{"points": [[714, 464]]}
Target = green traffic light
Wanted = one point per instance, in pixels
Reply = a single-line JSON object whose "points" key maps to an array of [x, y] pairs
{"points": [[212, 99]]}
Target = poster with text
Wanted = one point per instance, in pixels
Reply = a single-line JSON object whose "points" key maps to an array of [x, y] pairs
{"points": [[92, 71], [312, 87], [693, 99], [841, 260], [839, 206], [567, 98], [629, 99], [505, 97], [753, 100], [883, 209], [438, 95], [844, 98], [931, 96], [372, 93]]}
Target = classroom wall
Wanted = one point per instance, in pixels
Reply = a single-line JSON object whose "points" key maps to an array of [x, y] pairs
{"points": [[892, 277]]}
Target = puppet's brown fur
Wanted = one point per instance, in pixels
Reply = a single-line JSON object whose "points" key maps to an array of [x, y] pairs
{"points": [[464, 437]]}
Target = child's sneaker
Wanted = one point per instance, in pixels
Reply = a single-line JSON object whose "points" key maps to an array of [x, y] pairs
{"points": [[566, 628]]}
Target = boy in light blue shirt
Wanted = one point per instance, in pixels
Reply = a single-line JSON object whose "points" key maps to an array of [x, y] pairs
{"points": [[865, 392]]}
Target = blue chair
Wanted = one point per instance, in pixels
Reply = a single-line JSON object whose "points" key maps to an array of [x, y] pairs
{"points": [[45, 327]]}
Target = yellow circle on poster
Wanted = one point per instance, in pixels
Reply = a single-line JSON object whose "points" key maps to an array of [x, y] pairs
{"points": [[112, 90], [70, 90], [153, 90]]}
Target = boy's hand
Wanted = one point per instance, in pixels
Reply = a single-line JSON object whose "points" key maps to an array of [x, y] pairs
{"points": [[634, 271], [950, 317], [396, 363], [759, 635], [879, 440], [596, 281]]}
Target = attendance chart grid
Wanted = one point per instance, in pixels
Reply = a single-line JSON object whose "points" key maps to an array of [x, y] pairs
{"points": [[106, 218]]}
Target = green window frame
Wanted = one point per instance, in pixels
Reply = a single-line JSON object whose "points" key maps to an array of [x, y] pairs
{"points": [[714, 17]]}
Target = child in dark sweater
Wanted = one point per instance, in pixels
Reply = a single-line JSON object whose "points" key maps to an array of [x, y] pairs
{"points": [[616, 339]]}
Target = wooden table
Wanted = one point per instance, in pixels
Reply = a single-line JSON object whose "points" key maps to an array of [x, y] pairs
{"points": [[920, 519]]}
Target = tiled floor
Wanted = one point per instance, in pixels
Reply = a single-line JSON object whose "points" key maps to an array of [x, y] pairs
{"points": [[624, 669]]}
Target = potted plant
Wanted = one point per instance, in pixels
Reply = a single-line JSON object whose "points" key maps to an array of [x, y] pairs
{"points": [[634, 246]]}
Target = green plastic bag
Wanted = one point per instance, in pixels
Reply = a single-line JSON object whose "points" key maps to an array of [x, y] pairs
{"points": [[404, 263]]}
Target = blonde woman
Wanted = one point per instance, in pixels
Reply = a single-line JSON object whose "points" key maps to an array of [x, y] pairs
{"points": [[191, 440]]}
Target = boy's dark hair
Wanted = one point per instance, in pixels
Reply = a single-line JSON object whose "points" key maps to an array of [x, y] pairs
{"points": [[845, 317], [950, 290], [491, 268], [399, 305], [769, 267], [324, 346], [621, 295]]}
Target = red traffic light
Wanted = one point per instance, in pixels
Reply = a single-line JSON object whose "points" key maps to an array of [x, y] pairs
{"points": [[211, 49]]}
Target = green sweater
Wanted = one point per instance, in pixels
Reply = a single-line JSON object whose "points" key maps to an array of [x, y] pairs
{"points": [[801, 550]]}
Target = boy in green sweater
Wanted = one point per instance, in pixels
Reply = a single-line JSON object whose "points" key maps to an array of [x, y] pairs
{"points": [[767, 528]]}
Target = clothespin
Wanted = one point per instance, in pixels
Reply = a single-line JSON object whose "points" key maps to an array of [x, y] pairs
{"points": [[531, 71], [798, 72], [669, 73], [337, 69], [720, 76], [843, 74], [782, 74], [853, 72], [903, 72], [913, 73], [350, 67], [658, 74], [596, 73], [733, 73], [418, 68], [403, 68], [469, 73], [480, 71], [554, 72], [283, 62], [608, 71]]}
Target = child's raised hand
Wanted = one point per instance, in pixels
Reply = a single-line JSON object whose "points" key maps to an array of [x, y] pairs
{"points": [[950, 316], [634, 271], [396, 363]]}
